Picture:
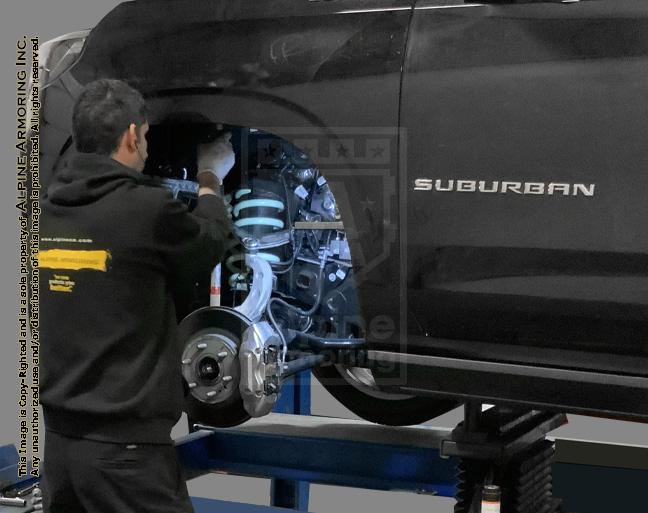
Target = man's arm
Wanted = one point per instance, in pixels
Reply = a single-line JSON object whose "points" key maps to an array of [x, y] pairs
{"points": [[194, 243]]}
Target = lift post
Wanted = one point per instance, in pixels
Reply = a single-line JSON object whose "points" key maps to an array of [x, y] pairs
{"points": [[505, 447], [295, 399]]}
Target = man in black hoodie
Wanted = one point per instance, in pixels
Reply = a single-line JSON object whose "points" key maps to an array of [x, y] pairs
{"points": [[115, 253]]}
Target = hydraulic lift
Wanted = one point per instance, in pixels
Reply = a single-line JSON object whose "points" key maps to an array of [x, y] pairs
{"points": [[294, 449]]}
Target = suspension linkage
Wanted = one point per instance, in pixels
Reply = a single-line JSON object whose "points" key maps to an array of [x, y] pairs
{"points": [[322, 351]]}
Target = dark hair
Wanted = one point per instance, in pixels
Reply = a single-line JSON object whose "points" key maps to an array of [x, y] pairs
{"points": [[103, 112]]}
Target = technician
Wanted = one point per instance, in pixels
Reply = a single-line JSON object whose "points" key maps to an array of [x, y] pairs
{"points": [[116, 253]]}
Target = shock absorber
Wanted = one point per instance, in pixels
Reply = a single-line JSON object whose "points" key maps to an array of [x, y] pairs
{"points": [[261, 216]]}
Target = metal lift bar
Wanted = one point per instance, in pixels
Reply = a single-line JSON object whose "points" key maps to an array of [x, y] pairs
{"points": [[325, 451], [358, 454]]}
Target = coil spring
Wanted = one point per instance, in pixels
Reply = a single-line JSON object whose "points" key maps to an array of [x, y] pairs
{"points": [[257, 216], [264, 212]]}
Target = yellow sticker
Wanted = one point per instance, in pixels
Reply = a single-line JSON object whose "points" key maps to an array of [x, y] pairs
{"points": [[74, 260]]}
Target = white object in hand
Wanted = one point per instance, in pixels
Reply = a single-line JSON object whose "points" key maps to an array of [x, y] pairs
{"points": [[217, 157]]}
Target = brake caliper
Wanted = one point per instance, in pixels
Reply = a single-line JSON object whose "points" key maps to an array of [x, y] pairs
{"points": [[260, 357]]}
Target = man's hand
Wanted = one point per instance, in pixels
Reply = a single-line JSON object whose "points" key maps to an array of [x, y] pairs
{"points": [[215, 160], [208, 183]]}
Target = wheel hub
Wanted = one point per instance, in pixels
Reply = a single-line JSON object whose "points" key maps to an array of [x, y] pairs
{"points": [[210, 367]]}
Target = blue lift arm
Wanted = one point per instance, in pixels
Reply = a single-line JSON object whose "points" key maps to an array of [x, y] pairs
{"points": [[325, 451]]}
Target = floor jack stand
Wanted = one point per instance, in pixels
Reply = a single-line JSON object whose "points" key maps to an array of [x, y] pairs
{"points": [[507, 448]]}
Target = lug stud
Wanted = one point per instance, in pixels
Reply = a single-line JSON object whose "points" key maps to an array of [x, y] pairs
{"points": [[202, 345], [212, 393], [186, 361], [227, 379], [193, 385], [222, 355]]}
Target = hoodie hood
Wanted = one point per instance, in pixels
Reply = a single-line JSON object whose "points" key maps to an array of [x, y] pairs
{"points": [[89, 178]]}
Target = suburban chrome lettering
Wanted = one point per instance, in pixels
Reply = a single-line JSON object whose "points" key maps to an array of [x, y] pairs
{"points": [[497, 187]]}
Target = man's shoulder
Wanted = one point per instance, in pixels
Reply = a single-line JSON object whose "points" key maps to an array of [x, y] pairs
{"points": [[149, 194], [140, 203]]}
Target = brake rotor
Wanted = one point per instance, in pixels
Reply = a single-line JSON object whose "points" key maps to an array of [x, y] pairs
{"points": [[210, 366]]}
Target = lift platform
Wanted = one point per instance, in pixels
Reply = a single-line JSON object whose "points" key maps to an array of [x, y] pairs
{"points": [[295, 450]]}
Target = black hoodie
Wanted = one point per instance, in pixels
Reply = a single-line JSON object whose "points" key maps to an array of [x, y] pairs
{"points": [[114, 253]]}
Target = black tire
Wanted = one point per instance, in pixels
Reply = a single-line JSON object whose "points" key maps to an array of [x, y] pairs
{"points": [[405, 411]]}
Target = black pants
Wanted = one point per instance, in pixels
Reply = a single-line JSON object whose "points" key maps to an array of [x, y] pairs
{"points": [[84, 476]]}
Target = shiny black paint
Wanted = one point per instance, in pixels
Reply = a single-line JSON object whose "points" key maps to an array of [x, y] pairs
{"points": [[253, 44], [534, 92]]}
